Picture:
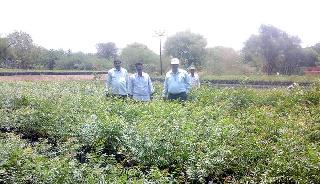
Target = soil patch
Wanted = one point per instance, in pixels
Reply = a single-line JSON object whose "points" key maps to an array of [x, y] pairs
{"points": [[52, 77]]}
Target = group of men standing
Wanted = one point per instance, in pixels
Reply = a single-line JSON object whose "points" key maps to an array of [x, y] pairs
{"points": [[139, 86]]}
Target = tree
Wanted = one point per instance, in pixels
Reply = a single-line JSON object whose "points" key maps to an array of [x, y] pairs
{"points": [[107, 50], [77, 61], [224, 60], [51, 58], [22, 45], [278, 51], [74, 61], [6, 53], [316, 49], [137, 52], [310, 57], [43, 58], [187, 46]]}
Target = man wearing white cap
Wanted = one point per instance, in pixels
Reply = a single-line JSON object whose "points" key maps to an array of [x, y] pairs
{"points": [[177, 82], [194, 77]]}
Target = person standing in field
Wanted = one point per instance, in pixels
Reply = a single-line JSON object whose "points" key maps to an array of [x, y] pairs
{"points": [[177, 83], [140, 85], [194, 77], [117, 81]]}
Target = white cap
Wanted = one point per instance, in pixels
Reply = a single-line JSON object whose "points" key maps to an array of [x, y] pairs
{"points": [[175, 61], [192, 67]]}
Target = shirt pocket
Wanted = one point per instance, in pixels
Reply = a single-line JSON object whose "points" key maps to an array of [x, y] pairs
{"points": [[180, 78], [121, 78]]}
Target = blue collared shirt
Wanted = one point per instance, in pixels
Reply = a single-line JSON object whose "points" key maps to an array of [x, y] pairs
{"points": [[140, 87], [117, 81], [176, 82]]}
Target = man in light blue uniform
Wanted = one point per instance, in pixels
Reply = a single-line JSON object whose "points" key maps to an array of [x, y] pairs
{"points": [[117, 81], [177, 82], [140, 85], [194, 77]]}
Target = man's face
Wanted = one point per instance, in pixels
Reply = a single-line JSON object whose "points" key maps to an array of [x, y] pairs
{"points": [[192, 71], [117, 64], [174, 67], [139, 68]]}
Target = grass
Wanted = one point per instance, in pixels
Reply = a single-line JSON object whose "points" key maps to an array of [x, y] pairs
{"points": [[293, 78], [68, 132]]}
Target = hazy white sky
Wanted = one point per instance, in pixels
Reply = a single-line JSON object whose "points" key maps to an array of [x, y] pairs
{"points": [[80, 24]]}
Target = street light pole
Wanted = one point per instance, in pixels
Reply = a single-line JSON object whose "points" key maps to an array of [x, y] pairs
{"points": [[160, 34]]}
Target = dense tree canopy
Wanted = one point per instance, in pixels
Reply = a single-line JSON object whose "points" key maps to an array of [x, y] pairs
{"points": [[187, 46], [17, 50], [224, 60], [137, 52], [22, 45], [107, 50], [316, 52], [278, 51], [270, 51], [6, 52]]}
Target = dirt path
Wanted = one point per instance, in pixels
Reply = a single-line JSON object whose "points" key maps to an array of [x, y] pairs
{"points": [[217, 83], [50, 77]]}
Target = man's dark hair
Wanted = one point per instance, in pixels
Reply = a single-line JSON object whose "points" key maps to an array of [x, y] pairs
{"points": [[138, 63], [117, 60]]}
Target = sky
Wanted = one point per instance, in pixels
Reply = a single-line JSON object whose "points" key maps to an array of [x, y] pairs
{"points": [[80, 24]]}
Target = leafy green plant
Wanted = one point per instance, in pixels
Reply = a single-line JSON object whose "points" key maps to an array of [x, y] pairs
{"points": [[220, 135]]}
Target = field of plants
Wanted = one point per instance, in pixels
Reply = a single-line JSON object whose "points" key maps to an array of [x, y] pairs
{"points": [[69, 132], [264, 78]]}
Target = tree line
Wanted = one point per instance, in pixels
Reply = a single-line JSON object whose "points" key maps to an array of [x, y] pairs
{"points": [[270, 51]]}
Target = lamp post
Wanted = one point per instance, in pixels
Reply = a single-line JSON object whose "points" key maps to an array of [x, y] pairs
{"points": [[160, 34]]}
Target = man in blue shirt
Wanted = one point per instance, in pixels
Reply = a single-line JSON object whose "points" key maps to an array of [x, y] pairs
{"points": [[177, 82], [117, 80], [140, 85], [194, 77]]}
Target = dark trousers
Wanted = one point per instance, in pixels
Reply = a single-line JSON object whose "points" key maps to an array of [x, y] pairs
{"points": [[119, 96], [179, 96]]}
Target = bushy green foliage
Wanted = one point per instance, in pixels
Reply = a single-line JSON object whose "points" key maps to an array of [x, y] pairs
{"points": [[275, 51], [220, 135], [225, 61], [17, 50], [107, 50], [81, 61], [187, 46], [265, 78], [137, 52]]}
